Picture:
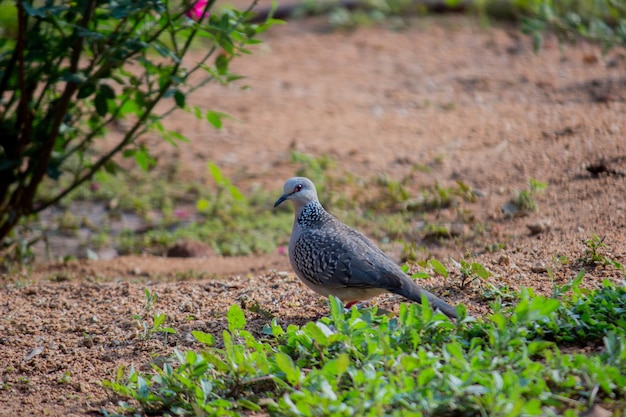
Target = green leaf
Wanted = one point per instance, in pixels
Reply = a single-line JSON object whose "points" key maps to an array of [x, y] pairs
{"points": [[101, 104], [107, 91], [129, 107], [111, 167], [205, 338], [236, 318], [233, 77], [427, 312], [236, 194], [537, 41], [438, 268], [420, 275], [267, 24], [285, 364], [206, 387], [142, 388], [316, 334], [214, 118], [276, 330], [169, 330], [216, 361], [31, 11], [179, 97], [480, 270], [197, 111], [248, 404], [337, 310], [86, 90], [221, 64], [174, 137], [71, 77], [142, 160], [216, 173], [159, 319], [337, 367], [164, 51]]}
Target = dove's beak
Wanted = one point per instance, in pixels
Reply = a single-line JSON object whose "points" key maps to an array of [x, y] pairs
{"points": [[281, 199]]}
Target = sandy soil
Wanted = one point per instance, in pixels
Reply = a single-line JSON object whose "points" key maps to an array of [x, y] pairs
{"points": [[473, 104]]}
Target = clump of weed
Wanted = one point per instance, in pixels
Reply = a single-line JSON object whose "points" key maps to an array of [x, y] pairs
{"points": [[148, 330], [596, 252], [524, 202]]}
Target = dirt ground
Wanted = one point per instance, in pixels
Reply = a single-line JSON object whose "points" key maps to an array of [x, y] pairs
{"points": [[474, 104]]}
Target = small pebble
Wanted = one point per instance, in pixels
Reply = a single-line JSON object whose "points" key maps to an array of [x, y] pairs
{"points": [[457, 229], [504, 260], [539, 268], [542, 226]]}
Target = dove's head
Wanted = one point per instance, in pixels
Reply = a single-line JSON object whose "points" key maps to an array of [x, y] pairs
{"points": [[300, 190]]}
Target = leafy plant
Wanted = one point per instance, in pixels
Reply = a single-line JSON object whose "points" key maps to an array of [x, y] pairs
{"points": [[224, 186], [524, 200], [593, 254], [602, 21], [74, 71], [350, 14], [470, 271], [438, 197], [502, 293], [158, 319], [438, 268], [588, 316], [358, 362], [312, 167]]}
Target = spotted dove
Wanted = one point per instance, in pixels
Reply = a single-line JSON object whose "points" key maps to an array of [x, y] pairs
{"points": [[334, 259]]}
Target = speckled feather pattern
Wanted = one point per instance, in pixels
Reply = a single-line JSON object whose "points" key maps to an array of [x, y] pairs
{"points": [[325, 246], [317, 251]]}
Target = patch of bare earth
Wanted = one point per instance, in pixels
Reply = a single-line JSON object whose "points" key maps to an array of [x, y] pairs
{"points": [[475, 105]]}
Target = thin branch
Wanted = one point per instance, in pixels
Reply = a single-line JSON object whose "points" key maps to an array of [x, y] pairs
{"points": [[4, 82], [172, 31]]}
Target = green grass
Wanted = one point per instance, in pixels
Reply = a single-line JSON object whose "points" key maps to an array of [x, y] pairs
{"points": [[256, 232], [215, 211], [212, 211], [525, 360], [602, 21]]}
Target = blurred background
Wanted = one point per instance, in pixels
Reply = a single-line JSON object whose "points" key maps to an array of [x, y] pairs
{"points": [[439, 128]]}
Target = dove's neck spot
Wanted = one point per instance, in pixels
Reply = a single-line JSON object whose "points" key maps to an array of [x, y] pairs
{"points": [[311, 213]]}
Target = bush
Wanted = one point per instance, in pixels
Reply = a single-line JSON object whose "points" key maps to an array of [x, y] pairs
{"points": [[75, 69]]}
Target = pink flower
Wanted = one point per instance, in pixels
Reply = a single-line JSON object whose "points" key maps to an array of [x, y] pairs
{"points": [[282, 250], [181, 214], [197, 10]]}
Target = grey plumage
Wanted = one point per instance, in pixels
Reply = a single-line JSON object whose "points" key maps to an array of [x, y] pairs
{"points": [[332, 258]]}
